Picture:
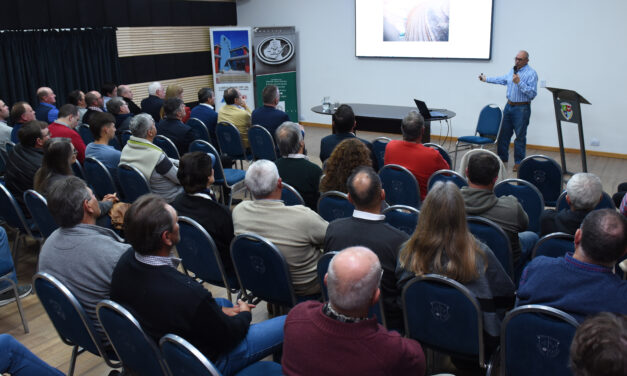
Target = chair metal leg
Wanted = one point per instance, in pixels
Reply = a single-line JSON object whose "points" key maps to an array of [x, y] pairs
{"points": [[15, 250], [75, 352], [19, 307]]}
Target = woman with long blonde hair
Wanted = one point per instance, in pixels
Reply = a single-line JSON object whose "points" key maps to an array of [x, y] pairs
{"points": [[443, 245]]}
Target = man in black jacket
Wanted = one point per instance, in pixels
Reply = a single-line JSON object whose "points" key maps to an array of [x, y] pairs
{"points": [[25, 159], [163, 300], [173, 128]]}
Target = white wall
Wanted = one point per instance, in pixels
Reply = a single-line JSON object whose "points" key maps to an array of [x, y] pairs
{"points": [[577, 44]]}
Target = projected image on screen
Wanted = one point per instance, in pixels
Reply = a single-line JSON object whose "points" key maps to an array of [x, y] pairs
{"points": [[458, 29], [416, 20]]}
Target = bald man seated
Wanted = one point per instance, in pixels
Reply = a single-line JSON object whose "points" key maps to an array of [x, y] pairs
{"points": [[331, 338]]}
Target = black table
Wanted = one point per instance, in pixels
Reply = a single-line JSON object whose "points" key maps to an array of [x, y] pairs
{"points": [[386, 119]]}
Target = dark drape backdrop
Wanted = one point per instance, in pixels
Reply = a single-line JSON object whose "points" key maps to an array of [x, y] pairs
{"points": [[63, 60]]}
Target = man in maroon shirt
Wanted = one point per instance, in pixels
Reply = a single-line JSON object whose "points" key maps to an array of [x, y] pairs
{"points": [[422, 161], [65, 126], [338, 338]]}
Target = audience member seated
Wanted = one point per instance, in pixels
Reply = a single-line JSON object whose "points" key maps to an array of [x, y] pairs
{"points": [[8, 269], [420, 160], [118, 108], [236, 112], [21, 113], [294, 167], [297, 231], [600, 346], [582, 283], [108, 90], [173, 127], [331, 338], [103, 129], [583, 193], [150, 160], [206, 113], [367, 227], [505, 211], [46, 111], [65, 126], [443, 245], [17, 360], [126, 93], [77, 98], [94, 105], [26, 159], [153, 103], [268, 116], [164, 300], [199, 203], [79, 253], [348, 155], [5, 130], [175, 91], [343, 124]]}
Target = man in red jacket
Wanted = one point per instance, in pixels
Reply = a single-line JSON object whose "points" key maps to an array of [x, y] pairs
{"points": [[64, 127], [338, 338]]}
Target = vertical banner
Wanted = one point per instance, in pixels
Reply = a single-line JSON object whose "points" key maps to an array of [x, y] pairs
{"points": [[275, 64], [232, 63]]}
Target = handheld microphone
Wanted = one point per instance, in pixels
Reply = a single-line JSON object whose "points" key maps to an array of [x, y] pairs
{"points": [[515, 69]]}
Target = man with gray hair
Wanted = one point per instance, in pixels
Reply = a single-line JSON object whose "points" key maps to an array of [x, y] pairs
{"points": [[268, 115], [150, 160], [46, 111], [205, 112], [65, 126], [153, 103], [297, 231], [117, 107], [339, 335], [420, 160], [126, 93], [583, 193], [79, 253], [294, 167], [172, 126]]}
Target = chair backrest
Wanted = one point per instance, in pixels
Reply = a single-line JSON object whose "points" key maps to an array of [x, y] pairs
{"points": [[99, 177], [124, 137], [11, 212], [206, 147], [444, 176], [85, 133], [290, 196], [261, 143], [133, 347], [183, 359], [77, 169], [494, 237], [38, 208], [606, 202], [115, 143], [67, 315], [442, 314], [323, 267], [535, 340], [556, 244], [529, 197], [199, 253], [545, 174], [167, 146], [400, 185], [378, 148], [230, 140], [262, 269], [4, 158], [199, 128], [132, 182], [442, 152], [489, 121], [9, 147], [333, 205], [402, 217]]}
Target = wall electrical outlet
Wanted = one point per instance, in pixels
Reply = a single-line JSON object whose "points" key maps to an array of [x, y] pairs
{"points": [[595, 142]]}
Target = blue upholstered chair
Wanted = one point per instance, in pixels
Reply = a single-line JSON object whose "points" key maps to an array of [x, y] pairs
{"points": [[402, 217], [132, 182], [494, 237], [99, 177], [333, 205], [487, 131], [38, 208], [124, 137], [556, 244], [230, 142], [378, 148], [77, 169], [167, 146], [442, 152], [535, 340], [528, 196], [290, 195], [85, 133], [400, 185], [261, 143], [8, 276], [606, 202], [545, 174], [444, 176], [199, 128]]}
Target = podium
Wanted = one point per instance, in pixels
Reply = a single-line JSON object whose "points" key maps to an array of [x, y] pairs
{"points": [[567, 108]]}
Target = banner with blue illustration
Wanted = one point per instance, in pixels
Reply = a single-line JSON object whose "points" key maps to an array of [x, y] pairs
{"points": [[275, 64], [232, 63]]}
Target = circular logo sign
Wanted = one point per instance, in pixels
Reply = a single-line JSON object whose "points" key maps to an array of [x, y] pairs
{"points": [[275, 50]]}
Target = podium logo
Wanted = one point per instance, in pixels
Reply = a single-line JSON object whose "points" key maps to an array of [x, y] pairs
{"points": [[567, 110], [275, 50]]}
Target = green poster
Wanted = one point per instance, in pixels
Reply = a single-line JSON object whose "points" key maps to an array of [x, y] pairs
{"points": [[286, 82]]}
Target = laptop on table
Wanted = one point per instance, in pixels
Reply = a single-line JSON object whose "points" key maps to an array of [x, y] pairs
{"points": [[428, 115]]}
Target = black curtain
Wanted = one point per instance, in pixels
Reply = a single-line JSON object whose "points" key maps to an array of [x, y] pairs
{"points": [[63, 60]]}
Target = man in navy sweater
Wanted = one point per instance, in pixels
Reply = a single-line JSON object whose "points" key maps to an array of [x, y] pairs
{"points": [[163, 300], [206, 113], [268, 116], [582, 283]]}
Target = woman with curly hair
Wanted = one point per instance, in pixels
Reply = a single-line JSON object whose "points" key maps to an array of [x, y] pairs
{"points": [[347, 155], [176, 91], [443, 245]]}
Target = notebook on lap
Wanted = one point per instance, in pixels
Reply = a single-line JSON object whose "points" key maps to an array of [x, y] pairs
{"points": [[428, 115]]}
